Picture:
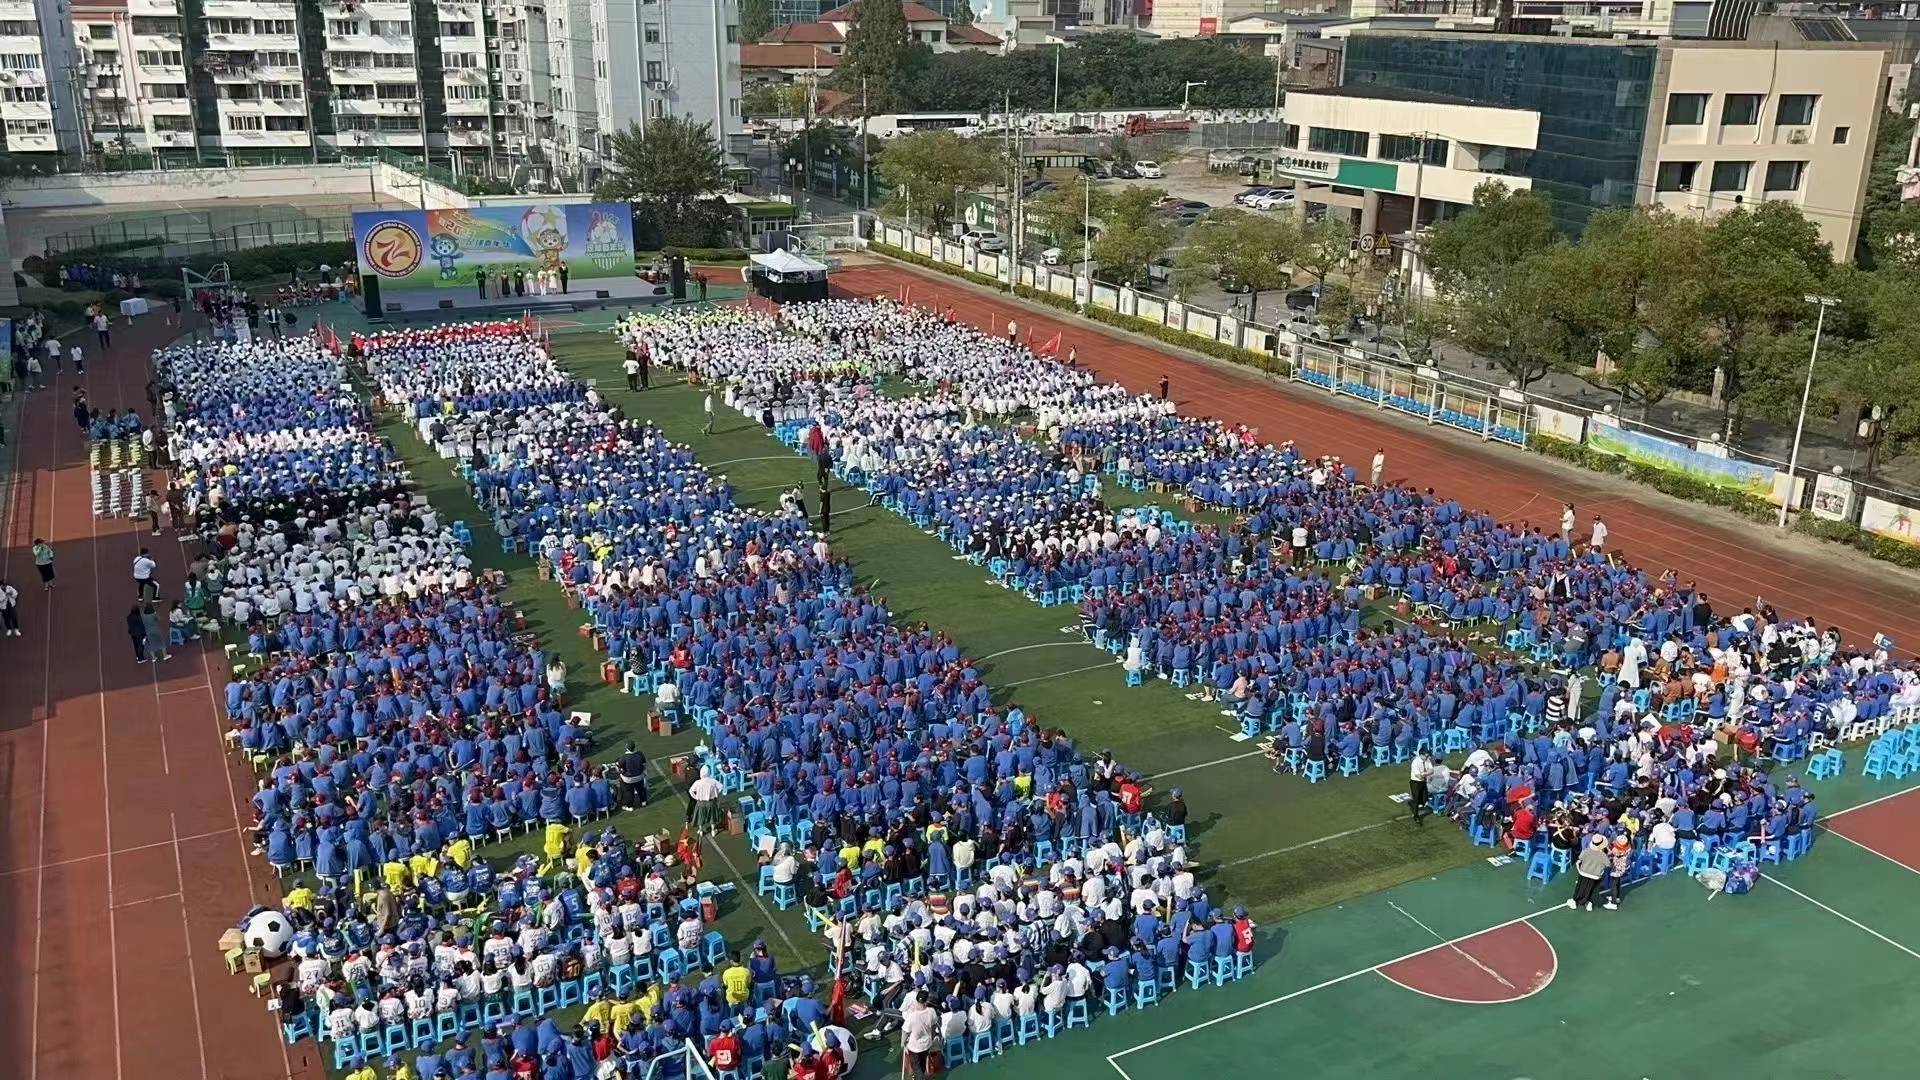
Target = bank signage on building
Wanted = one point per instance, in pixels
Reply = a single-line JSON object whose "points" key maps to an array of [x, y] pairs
{"points": [[1347, 172]]}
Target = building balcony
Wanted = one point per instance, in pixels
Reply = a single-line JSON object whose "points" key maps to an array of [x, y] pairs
{"points": [[21, 10], [375, 107], [153, 7], [32, 144], [467, 139], [254, 42], [168, 107], [178, 140], [25, 110], [248, 140], [23, 78], [468, 106], [247, 9]]}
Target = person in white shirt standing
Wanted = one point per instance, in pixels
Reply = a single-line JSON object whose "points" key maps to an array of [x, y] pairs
{"points": [[1418, 774], [708, 406], [1567, 523], [143, 580], [9, 609], [1599, 534], [1379, 467]]}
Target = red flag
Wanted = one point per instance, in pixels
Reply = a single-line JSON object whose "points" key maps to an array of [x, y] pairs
{"points": [[906, 296], [1050, 347]]}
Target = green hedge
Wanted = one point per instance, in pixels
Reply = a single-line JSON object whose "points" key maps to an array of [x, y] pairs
{"points": [[1748, 506], [1272, 365], [697, 254], [277, 261]]}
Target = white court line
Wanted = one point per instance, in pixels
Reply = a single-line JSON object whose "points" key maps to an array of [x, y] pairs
{"points": [[123, 905], [1024, 648], [1873, 802], [1468, 957], [57, 863], [744, 460], [186, 930], [1831, 831], [184, 690], [1057, 675], [1207, 764], [1844, 916], [1113, 1059], [1342, 834], [46, 737], [106, 798]]}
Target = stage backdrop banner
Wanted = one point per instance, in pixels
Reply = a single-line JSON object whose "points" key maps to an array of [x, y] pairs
{"points": [[1610, 438], [443, 249]]}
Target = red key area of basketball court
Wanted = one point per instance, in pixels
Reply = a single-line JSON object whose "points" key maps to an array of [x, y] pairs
{"points": [[1725, 560], [121, 857]]}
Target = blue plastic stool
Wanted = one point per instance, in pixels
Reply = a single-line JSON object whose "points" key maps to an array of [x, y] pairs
{"points": [[1078, 1015], [1053, 1022], [955, 1050], [1222, 970], [1116, 1000], [1349, 765], [1315, 770], [1197, 975], [1146, 992], [1242, 965], [1133, 678], [523, 1003], [1028, 1029], [983, 1046], [1540, 865], [1799, 843]]}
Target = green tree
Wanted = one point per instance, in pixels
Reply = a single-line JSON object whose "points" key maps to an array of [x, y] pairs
{"points": [[1336, 308], [1324, 244], [877, 56], [1236, 247], [929, 170], [1502, 227], [1134, 236], [1760, 263], [1062, 214], [1627, 292], [1510, 321], [670, 165], [775, 99], [1882, 203], [756, 20]]}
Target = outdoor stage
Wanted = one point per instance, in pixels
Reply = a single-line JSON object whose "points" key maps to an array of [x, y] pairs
{"points": [[421, 305]]}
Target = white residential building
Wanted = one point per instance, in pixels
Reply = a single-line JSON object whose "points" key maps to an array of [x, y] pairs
{"points": [[523, 89], [658, 58]]}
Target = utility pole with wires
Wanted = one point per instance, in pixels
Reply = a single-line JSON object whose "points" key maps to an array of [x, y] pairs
{"points": [[866, 163], [1413, 230]]}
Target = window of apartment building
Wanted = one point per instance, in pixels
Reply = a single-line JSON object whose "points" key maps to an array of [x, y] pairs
{"points": [[23, 93], [273, 26], [343, 27], [733, 34], [653, 71], [229, 26], [1411, 148], [156, 24], [163, 91], [350, 122], [1796, 110], [1840, 135], [457, 29], [1785, 175], [1731, 175], [19, 28], [1290, 136], [656, 108], [1740, 110], [392, 60], [388, 91], [390, 27], [246, 122], [29, 127], [158, 58], [20, 61], [286, 123], [240, 92], [172, 123], [459, 61], [733, 106], [349, 60], [652, 34], [1675, 176], [466, 92], [100, 31], [280, 91], [280, 58], [1686, 108], [395, 123], [1338, 141]]}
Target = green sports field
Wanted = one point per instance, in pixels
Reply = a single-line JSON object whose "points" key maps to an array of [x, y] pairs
{"points": [[1375, 932]]}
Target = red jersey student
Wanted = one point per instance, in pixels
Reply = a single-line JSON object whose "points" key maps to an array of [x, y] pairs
{"points": [[723, 1051]]}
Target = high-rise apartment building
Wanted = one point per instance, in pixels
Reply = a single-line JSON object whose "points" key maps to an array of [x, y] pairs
{"points": [[509, 88]]}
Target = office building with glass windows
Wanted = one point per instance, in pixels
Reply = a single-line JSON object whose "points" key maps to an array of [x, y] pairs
{"points": [[1699, 126]]}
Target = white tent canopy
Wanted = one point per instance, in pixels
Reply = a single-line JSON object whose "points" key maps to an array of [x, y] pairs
{"points": [[783, 263]]}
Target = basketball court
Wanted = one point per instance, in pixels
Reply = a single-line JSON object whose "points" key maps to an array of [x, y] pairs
{"points": [[1479, 972]]}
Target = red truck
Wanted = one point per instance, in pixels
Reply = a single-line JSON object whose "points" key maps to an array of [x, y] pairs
{"points": [[1147, 125]]}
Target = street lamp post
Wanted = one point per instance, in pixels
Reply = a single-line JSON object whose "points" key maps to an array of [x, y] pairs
{"points": [[1806, 395], [1186, 93]]}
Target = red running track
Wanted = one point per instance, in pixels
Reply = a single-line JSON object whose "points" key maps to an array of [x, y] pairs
{"points": [[121, 853], [1733, 564]]}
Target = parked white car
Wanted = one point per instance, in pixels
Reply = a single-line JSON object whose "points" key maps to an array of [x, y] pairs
{"points": [[1273, 200], [1148, 169]]}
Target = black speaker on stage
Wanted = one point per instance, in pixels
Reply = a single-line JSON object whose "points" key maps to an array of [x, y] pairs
{"points": [[677, 276], [370, 292]]}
